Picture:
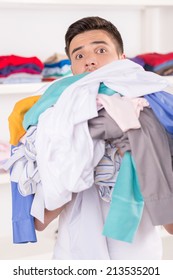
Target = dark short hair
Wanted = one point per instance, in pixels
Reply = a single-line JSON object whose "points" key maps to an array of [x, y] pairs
{"points": [[93, 23]]}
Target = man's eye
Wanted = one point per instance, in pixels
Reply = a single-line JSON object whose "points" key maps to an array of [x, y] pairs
{"points": [[79, 56], [101, 50]]}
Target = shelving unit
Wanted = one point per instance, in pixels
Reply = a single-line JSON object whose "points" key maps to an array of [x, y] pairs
{"points": [[32, 88]]}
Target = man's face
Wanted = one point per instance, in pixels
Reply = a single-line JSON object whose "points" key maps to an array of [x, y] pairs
{"points": [[91, 50]]}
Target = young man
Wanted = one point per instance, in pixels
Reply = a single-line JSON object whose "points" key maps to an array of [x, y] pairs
{"points": [[91, 43]]}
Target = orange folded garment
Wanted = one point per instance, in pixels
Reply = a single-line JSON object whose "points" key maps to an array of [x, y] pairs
{"points": [[16, 118]]}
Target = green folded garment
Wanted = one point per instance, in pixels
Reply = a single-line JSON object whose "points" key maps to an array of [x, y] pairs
{"points": [[127, 203]]}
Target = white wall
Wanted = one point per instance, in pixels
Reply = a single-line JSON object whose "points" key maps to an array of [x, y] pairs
{"points": [[40, 31], [29, 30]]}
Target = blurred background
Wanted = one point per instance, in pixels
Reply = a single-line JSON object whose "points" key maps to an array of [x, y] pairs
{"points": [[36, 28]]}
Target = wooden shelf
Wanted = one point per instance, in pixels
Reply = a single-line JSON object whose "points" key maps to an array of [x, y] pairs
{"points": [[26, 88]]}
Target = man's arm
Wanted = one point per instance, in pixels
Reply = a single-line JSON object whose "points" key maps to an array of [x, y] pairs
{"points": [[169, 228], [49, 216]]}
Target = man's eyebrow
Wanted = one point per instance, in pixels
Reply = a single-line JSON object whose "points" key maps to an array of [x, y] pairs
{"points": [[81, 47], [99, 42], [76, 49]]}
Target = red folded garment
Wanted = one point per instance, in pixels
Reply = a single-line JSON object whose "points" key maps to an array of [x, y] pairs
{"points": [[15, 60], [155, 59]]}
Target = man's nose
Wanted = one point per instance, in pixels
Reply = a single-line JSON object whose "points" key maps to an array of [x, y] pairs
{"points": [[90, 61]]}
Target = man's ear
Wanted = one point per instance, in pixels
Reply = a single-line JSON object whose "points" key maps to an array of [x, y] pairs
{"points": [[71, 69], [123, 56]]}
